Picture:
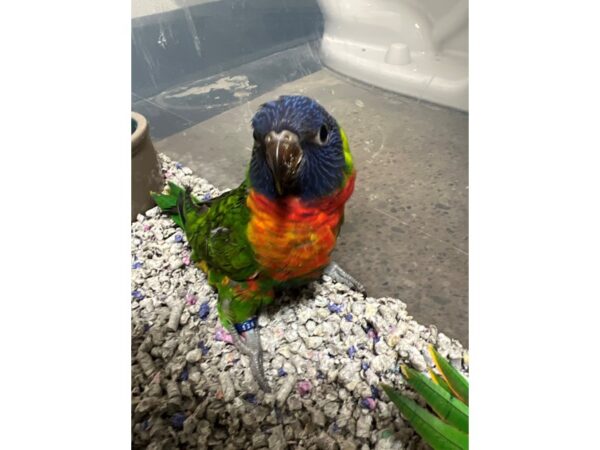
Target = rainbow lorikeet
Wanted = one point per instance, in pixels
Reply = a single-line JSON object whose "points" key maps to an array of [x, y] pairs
{"points": [[278, 228]]}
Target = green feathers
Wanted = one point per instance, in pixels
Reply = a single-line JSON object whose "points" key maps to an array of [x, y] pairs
{"points": [[215, 229], [349, 163], [168, 202]]}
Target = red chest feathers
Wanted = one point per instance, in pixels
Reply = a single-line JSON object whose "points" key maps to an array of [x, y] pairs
{"points": [[294, 239]]}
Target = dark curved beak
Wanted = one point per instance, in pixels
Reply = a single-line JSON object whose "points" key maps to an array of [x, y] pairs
{"points": [[284, 155]]}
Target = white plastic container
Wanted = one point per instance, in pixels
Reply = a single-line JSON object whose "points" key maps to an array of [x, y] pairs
{"points": [[416, 48]]}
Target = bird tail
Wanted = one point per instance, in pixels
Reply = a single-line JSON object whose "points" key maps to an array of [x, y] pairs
{"points": [[178, 202]]}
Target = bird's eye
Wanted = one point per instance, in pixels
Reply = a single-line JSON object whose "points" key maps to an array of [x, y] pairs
{"points": [[323, 135]]}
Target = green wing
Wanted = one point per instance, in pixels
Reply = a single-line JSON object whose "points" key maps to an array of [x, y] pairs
{"points": [[217, 232]]}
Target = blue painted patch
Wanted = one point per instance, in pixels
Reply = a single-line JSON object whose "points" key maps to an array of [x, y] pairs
{"points": [[368, 403], [334, 308], [204, 311], [184, 374], [352, 352], [177, 420], [374, 391], [202, 346]]}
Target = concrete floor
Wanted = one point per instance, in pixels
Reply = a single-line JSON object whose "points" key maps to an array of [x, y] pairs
{"points": [[406, 228]]}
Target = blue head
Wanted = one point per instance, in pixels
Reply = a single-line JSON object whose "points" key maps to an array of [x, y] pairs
{"points": [[298, 149]]}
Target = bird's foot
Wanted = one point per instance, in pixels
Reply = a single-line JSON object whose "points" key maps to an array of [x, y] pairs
{"points": [[246, 338], [338, 274]]}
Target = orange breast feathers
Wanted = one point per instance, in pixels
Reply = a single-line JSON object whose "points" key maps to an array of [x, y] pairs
{"points": [[292, 238]]}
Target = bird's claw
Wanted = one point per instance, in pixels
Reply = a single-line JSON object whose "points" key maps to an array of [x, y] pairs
{"points": [[338, 274], [251, 346]]}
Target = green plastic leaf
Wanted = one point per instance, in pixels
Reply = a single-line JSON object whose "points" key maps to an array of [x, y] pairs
{"points": [[450, 409], [458, 383], [439, 435], [439, 380]]}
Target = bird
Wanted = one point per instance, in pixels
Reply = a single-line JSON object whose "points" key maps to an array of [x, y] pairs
{"points": [[278, 228]]}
